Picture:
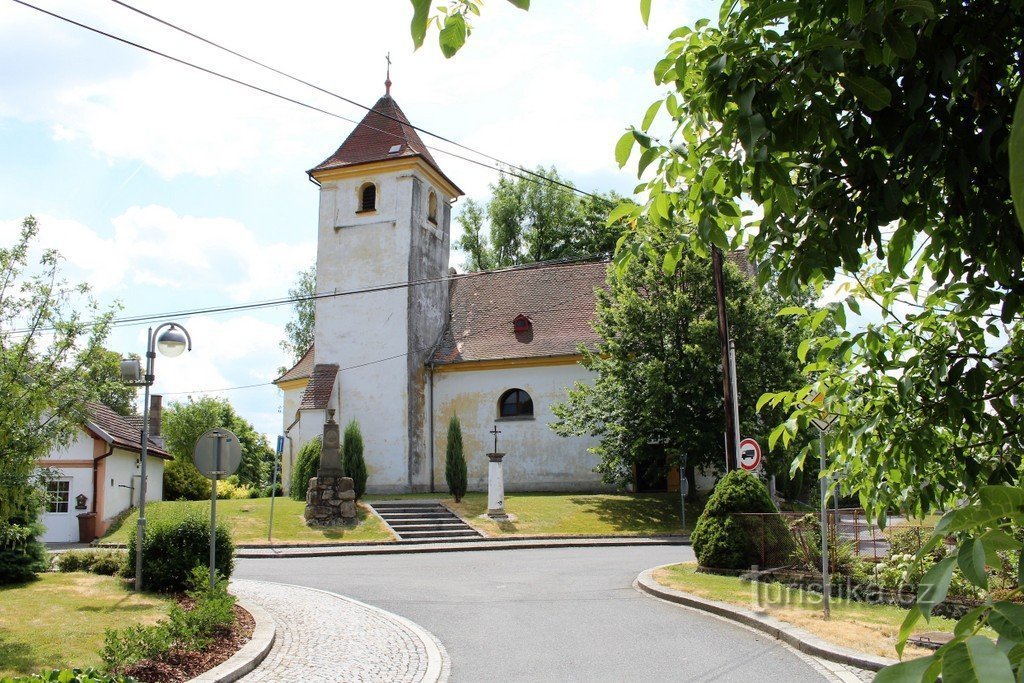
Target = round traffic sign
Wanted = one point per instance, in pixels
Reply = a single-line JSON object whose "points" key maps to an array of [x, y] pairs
{"points": [[217, 454], [750, 454]]}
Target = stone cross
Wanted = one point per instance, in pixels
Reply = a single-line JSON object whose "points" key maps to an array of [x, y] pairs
{"points": [[495, 431]]}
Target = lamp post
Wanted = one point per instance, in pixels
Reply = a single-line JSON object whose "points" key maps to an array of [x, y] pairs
{"points": [[173, 342]]}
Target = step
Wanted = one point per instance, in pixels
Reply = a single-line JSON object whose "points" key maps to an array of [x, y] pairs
{"points": [[405, 528], [426, 520], [410, 504], [439, 534], [413, 511], [416, 515]]}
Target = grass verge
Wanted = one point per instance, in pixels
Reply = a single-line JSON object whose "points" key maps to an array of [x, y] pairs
{"points": [[249, 520], [579, 514], [58, 621], [856, 625]]}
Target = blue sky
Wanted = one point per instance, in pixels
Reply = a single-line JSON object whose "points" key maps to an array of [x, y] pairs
{"points": [[166, 189]]}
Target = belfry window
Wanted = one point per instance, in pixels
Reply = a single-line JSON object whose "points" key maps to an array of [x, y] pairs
{"points": [[432, 208], [515, 403], [368, 197]]}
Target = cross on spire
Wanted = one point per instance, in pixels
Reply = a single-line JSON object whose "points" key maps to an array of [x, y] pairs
{"points": [[387, 82], [495, 431]]}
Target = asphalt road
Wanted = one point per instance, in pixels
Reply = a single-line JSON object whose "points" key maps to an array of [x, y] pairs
{"points": [[567, 614]]}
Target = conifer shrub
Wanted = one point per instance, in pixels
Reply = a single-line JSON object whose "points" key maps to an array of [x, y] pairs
{"points": [[455, 462], [306, 466], [182, 481], [353, 463], [719, 540], [174, 546], [22, 555]]}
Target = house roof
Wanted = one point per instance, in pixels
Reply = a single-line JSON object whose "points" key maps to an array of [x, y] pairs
{"points": [[383, 128], [558, 299], [318, 392], [301, 370], [120, 430]]}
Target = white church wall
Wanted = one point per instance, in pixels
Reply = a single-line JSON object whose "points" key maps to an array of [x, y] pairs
{"points": [[290, 399], [537, 459]]}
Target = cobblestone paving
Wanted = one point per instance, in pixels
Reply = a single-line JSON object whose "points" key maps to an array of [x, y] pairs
{"points": [[323, 638]]}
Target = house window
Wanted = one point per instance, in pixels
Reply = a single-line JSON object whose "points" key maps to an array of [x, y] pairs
{"points": [[432, 208], [58, 495], [368, 197], [515, 403]]}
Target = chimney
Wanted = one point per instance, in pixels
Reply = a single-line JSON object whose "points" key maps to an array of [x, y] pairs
{"points": [[155, 410]]}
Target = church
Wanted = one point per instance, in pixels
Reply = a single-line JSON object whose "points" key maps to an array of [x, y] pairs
{"points": [[402, 343]]}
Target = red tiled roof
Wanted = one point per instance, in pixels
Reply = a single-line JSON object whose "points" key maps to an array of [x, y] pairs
{"points": [[122, 430], [301, 370], [558, 299], [384, 127], [318, 391]]}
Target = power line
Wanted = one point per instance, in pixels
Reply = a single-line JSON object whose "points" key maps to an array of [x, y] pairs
{"points": [[300, 103], [331, 93], [270, 303]]}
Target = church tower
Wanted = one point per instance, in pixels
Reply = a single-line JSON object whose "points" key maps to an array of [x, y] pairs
{"points": [[385, 213]]}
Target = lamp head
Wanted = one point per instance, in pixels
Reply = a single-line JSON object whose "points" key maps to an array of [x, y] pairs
{"points": [[172, 342]]}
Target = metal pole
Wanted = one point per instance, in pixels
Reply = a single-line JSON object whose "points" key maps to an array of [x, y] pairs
{"points": [[723, 335], [213, 511], [140, 531], [273, 485], [826, 586], [735, 399]]}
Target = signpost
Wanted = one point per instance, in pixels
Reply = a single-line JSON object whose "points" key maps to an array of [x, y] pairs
{"points": [[749, 455], [273, 485], [217, 454], [823, 422]]}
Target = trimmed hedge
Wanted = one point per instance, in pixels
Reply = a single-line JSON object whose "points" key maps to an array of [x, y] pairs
{"points": [[306, 466], [174, 547], [105, 562], [719, 541]]}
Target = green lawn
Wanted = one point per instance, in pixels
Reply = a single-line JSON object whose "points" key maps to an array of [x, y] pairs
{"points": [[58, 621], [578, 514], [857, 625], [249, 519]]}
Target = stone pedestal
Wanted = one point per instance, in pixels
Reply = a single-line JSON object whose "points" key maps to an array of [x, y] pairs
{"points": [[330, 501], [330, 497], [495, 487]]}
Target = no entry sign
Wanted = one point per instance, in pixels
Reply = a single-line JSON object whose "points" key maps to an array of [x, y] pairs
{"points": [[750, 454]]}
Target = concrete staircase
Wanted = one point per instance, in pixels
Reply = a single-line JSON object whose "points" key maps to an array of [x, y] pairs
{"points": [[416, 521]]}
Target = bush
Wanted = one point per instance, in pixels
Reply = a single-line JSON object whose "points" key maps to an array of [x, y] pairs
{"points": [[88, 675], [232, 490], [306, 466], [455, 462], [718, 540], [269, 491], [22, 556], [173, 547], [907, 540], [182, 481], [105, 562], [352, 452]]}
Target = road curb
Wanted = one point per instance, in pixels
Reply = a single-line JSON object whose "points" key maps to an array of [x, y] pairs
{"points": [[465, 546], [250, 655], [797, 638], [438, 661]]}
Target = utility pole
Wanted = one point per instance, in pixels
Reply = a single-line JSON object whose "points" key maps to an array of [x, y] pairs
{"points": [[728, 399]]}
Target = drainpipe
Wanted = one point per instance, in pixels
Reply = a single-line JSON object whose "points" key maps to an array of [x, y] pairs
{"points": [[430, 421]]}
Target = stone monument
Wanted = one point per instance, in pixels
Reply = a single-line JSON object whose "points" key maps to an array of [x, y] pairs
{"points": [[495, 482], [330, 497]]}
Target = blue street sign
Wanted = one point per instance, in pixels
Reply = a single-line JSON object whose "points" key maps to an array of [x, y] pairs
{"points": [[280, 445]]}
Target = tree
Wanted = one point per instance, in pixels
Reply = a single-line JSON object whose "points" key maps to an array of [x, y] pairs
{"points": [[658, 376], [535, 218], [455, 461], [46, 347], [352, 452], [299, 330], [185, 422], [306, 466], [104, 376]]}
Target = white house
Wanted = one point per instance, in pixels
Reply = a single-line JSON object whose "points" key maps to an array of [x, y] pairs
{"points": [[99, 472]]}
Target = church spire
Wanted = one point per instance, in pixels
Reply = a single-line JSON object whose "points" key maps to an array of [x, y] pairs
{"points": [[387, 82]]}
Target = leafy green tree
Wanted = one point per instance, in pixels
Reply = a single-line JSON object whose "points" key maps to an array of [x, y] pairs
{"points": [[455, 461], [46, 349], [528, 220], [299, 330], [352, 452], [104, 376], [658, 366], [185, 422], [306, 466]]}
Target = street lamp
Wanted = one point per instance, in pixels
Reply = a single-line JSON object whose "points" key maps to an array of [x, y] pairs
{"points": [[173, 342]]}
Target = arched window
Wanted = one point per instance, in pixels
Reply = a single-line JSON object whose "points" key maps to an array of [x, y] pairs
{"points": [[515, 403], [432, 208], [368, 197]]}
